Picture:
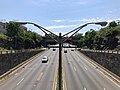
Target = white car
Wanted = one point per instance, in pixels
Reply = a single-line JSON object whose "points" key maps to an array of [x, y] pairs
{"points": [[44, 59]]}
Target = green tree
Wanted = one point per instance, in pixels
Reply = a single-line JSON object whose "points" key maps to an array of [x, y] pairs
{"points": [[89, 38], [108, 36], [112, 24], [98, 41], [3, 41], [21, 38], [76, 39], [15, 32], [105, 38]]}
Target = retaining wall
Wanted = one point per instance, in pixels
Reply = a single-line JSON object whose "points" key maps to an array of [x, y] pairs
{"points": [[10, 60], [111, 61]]}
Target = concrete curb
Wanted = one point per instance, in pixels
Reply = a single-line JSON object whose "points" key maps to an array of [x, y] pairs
{"points": [[108, 73], [19, 66]]}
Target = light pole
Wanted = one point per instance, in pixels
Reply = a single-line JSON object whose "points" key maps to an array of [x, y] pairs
{"points": [[60, 42], [79, 28]]}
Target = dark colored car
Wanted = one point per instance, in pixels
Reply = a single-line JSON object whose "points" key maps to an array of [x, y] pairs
{"points": [[54, 49], [72, 49], [65, 51]]}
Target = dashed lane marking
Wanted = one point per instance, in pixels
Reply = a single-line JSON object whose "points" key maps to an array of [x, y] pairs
{"points": [[75, 69], [85, 68], [104, 89], [20, 81], [85, 88], [40, 76]]}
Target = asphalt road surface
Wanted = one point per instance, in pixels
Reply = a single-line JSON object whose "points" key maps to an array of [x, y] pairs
{"points": [[79, 74], [35, 76], [82, 75]]}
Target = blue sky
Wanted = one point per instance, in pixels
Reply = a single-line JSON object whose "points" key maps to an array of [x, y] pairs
{"points": [[60, 15]]}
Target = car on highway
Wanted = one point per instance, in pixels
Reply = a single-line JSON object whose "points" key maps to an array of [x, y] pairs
{"points": [[54, 49], [65, 51], [45, 59], [72, 49]]}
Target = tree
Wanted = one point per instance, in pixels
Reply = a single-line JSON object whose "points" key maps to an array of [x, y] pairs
{"points": [[21, 38], [76, 39], [98, 41], [3, 41], [105, 38], [16, 33], [29, 43], [89, 38], [112, 24]]}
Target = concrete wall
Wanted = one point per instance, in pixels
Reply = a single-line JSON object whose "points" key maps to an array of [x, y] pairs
{"points": [[10, 60], [111, 61]]}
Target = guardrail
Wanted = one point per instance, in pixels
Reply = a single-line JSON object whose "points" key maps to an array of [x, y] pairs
{"points": [[103, 51], [17, 51]]}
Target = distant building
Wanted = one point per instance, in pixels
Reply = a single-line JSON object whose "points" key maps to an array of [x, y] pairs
{"points": [[3, 28]]}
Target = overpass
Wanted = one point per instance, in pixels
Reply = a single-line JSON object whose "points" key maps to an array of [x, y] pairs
{"points": [[63, 46]]}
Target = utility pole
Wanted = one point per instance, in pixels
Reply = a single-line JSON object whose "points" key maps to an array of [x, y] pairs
{"points": [[60, 62]]}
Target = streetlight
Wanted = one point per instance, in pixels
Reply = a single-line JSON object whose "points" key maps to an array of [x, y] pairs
{"points": [[79, 28], [60, 41], [41, 28]]}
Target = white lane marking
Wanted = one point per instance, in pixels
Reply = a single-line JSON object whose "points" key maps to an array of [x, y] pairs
{"points": [[40, 76], [85, 88], [16, 74], [75, 69], [104, 88], [98, 69], [109, 78], [85, 68], [34, 85], [20, 81]]}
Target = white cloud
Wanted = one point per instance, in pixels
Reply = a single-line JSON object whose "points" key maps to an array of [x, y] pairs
{"points": [[60, 26], [110, 20], [58, 21], [85, 20], [75, 20], [54, 29], [92, 20]]}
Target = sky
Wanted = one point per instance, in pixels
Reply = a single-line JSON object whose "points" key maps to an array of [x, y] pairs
{"points": [[60, 15]]}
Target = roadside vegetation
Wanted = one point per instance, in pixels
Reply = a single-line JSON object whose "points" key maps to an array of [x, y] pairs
{"points": [[105, 38], [18, 37]]}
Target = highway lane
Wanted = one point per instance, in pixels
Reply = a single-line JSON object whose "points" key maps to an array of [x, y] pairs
{"points": [[34, 76], [82, 75]]}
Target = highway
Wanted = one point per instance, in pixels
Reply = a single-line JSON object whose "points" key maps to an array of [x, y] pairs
{"points": [[82, 75], [34, 76]]}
